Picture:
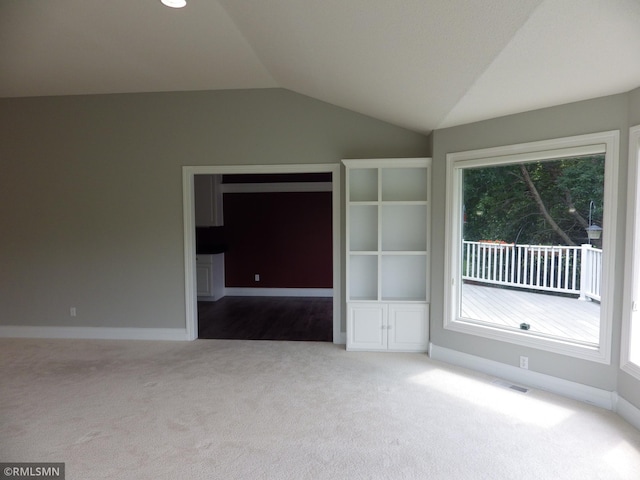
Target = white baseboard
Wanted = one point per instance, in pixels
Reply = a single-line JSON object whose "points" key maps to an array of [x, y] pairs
{"points": [[98, 333], [278, 292], [628, 411], [577, 391]]}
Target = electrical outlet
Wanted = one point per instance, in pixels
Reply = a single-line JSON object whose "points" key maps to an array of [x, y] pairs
{"points": [[524, 363], [72, 311], [256, 277]]}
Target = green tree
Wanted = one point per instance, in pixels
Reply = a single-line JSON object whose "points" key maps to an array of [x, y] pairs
{"points": [[543, 202]]}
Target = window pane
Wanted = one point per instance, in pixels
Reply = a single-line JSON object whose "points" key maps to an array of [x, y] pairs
{"points": [[527, 260]]}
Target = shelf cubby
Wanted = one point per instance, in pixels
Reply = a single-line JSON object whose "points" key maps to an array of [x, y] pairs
{"points": [[363, 277], [404, 278], [363, 225], [363, 185], [404, 227], [404, 184]]}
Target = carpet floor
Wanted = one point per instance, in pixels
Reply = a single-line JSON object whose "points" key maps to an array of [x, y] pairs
{"points": [[223, 409]]}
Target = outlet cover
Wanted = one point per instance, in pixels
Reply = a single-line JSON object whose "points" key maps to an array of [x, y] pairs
{"points": [[524, 363]]}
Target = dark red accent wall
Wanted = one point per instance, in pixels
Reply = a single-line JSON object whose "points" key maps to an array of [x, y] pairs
{"points": [[284, 237]]}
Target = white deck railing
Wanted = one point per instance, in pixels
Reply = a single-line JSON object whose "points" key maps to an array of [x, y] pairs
{"points": [[590, 272], [565, 269]]}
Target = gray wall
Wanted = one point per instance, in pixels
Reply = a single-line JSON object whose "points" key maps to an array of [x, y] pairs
{"points": [[628, 386], [609, 113], [91, 191], [634, 107]]}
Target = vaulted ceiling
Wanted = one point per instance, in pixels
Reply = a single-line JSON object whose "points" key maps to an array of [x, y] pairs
{"points": [[420, 64]]}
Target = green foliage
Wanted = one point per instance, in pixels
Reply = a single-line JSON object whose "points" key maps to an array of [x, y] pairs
{"points": [[499, 204]]}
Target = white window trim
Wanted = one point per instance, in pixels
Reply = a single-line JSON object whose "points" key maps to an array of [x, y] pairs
{"points": [[632, 272], [606, 142]]}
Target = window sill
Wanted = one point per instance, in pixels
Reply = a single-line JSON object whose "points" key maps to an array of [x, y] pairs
{"points": [[591, 353]]}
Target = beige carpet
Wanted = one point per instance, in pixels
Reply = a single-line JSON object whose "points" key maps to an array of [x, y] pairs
{"points": [[224, 409]]}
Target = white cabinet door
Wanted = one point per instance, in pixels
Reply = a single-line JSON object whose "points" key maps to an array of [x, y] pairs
{"points": [[210, 277], [203, 280], [366, 327], [407, 327]]}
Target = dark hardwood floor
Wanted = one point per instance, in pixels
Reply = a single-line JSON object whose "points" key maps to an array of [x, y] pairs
{"points": [[267, 318]]}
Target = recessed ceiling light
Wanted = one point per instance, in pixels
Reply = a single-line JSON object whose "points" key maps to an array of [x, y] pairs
{"points": [[174, 3]]}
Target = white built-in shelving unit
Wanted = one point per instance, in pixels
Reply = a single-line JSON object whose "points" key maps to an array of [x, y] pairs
{"points": [[387, 216]]}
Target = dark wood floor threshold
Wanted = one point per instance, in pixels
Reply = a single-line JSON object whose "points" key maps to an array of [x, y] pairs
{"points": [[267, 318]]}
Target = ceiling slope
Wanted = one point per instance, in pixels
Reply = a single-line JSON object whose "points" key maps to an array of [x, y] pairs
{"points": [[70, 47], [566, 52], [420, 64], [407, 62]]}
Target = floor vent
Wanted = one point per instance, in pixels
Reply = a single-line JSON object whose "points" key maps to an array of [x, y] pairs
{"points": [[510, 386]]}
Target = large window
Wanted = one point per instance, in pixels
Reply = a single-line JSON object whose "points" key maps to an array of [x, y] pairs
{"points": [[530, 238], [630, 360]]}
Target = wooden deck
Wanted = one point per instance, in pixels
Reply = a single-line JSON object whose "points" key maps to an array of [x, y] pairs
{"points": [[547, 314]]}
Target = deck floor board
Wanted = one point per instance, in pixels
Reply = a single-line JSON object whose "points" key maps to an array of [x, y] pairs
{"points": [[548, 314]]}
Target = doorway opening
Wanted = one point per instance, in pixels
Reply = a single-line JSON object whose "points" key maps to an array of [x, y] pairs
{"points": [[298, 301]]}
